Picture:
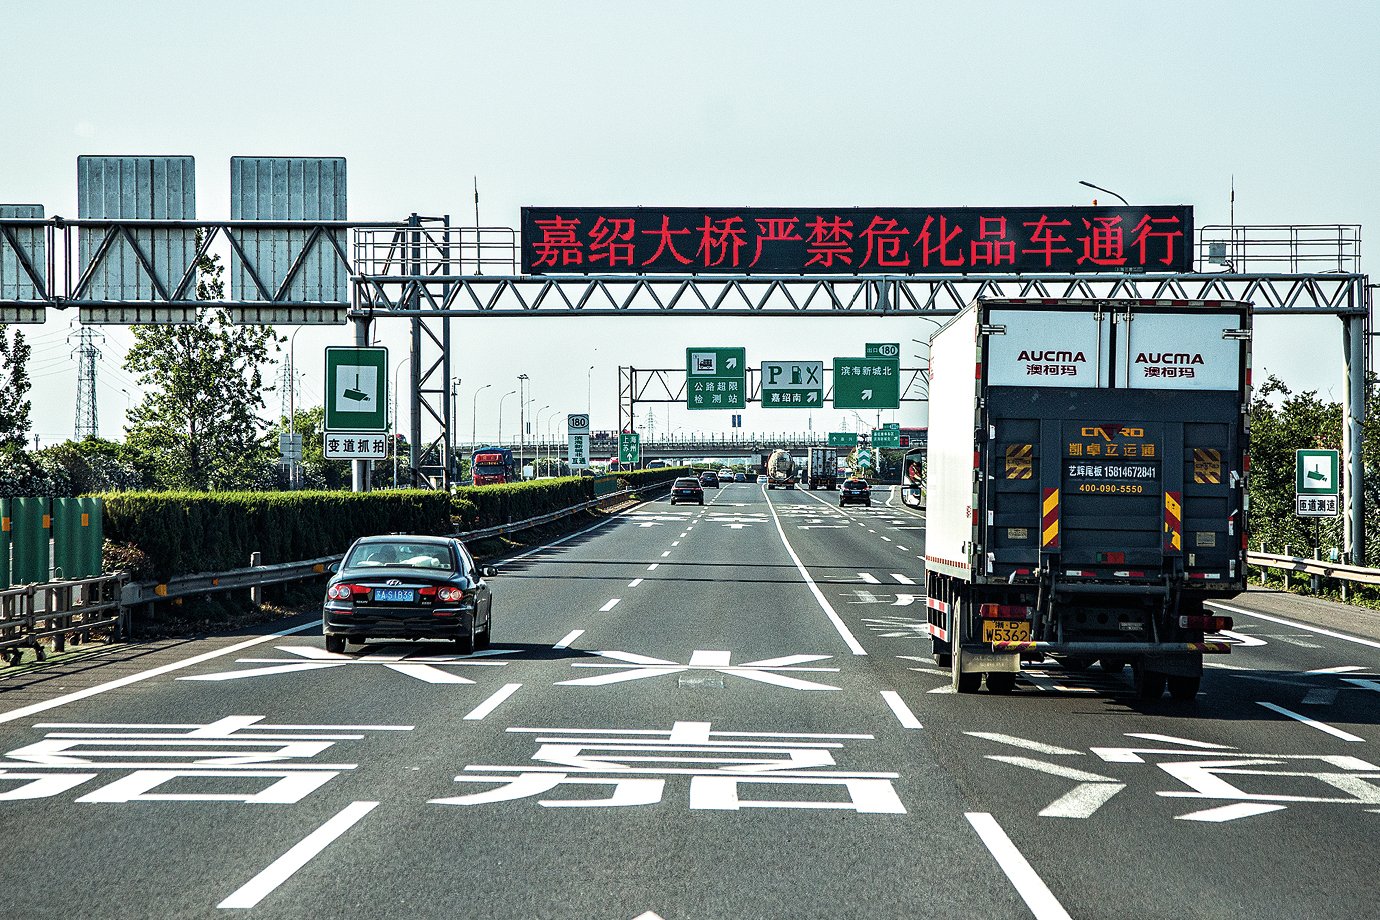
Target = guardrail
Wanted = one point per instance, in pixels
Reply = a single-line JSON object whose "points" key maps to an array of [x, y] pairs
{"points": [[1314, 568], [59, 611]]}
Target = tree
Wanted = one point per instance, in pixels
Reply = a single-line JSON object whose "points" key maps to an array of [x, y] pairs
{"points": [[14, 387], [198, 423]]}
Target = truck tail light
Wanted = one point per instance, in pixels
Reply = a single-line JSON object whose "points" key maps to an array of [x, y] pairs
{"points": [[1205, 623], [1003, 612]]}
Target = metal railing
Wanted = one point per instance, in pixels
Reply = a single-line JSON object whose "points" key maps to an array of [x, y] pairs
{"points": [[1316, 569], [1281, 247], [60, 611]]}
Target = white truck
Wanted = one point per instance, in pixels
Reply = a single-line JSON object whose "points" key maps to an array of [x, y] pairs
{"points": [[780, 470], [821, 468], [1086, 487]]}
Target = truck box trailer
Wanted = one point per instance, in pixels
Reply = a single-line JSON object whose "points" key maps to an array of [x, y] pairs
{"points": [[821, 468], [1086, 486]]}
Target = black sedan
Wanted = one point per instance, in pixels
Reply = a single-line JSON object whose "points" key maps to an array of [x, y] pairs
{"points": [[709, 478], [687, 490], [856, 491], [408, 587]]}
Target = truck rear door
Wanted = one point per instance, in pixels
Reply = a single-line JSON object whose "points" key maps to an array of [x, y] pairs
{"points": [[1112, 443]]}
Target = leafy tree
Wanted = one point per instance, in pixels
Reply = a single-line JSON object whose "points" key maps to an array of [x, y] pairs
{"points": [[198, 423], [93, 465], [14, 387]]}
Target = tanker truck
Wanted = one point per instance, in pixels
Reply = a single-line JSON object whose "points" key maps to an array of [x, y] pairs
{"points": [[780, 470]]}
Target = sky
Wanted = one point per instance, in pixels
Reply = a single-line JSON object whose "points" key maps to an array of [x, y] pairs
{"points": [[704, 104]]}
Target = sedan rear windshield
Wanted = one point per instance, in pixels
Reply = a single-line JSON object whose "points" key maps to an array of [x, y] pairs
{"points": [[431, 557], [686, 484]]}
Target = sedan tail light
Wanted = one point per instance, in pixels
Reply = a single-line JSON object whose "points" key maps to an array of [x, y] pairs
{"points": [[449, 595], [344, 592]]}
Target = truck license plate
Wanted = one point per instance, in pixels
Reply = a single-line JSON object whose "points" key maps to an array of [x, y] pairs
{"points": [[1005, 631]]}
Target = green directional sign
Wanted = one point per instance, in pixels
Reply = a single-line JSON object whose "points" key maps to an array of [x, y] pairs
{"points": [[629, 448], [886, 437], [843, 439], [894, 426], [792, 384], [867, 383], [715, 378], [357, 389], [883, 350], [1315, 472]]}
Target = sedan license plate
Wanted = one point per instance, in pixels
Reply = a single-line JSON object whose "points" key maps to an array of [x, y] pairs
{"points": [[395, 595], [1005, 631]]}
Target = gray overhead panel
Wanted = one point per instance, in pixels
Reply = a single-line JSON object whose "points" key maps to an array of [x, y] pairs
{"points": [[305, 270], [122, 267], [23, 265]]}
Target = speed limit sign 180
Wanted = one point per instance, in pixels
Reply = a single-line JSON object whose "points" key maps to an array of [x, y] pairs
{"points": [[577, 424], [883, 350]]}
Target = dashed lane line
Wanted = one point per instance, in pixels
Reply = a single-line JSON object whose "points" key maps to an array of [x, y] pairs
{"points": [[902, 578], [652, 567], [1294, 623], [1311, 723], [1028, 884], [569, 638], [869, 578], [284, 867], [610, 605], [492, 703], [901, 710], [634, 583], [665, 554]]}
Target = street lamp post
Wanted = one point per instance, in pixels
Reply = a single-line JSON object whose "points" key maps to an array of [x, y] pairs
{"points": [[474, 415], [522, 419], [1107, 190], [292, 405], [393, 434], [551, 432], [537, 451], [501, 401], [453, 441]]}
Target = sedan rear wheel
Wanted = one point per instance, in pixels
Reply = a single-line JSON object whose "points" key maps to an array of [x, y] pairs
{"points": [[335, 645], [482, 640]]}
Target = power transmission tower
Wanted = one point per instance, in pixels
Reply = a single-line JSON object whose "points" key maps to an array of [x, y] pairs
{"points": [[87, 354], [285, 383]]}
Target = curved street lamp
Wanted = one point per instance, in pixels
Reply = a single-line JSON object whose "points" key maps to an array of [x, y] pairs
{"points": [[474, 414], [501, 401], [1107, 190]]}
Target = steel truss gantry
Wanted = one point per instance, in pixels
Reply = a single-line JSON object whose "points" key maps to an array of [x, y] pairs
{"points": [[1344, 294]]}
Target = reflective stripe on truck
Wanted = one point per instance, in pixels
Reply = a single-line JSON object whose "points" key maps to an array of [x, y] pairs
{"points": [[1049, 525]]}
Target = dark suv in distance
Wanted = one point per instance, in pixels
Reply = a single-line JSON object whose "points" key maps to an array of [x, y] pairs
{"points": [[687, 490], [709, 478], [856, 491], [408, 587]]}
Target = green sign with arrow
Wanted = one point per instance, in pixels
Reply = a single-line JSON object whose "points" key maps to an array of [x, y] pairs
{"points": [[867, 383], [629, 448], [715, 378], [843, 439]]}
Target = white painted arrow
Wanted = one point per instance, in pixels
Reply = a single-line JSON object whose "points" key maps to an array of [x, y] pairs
{"points": [[737, 526]]}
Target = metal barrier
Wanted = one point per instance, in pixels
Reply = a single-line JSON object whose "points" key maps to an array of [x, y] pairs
{"points": [[59, 610], [1315, 568]]}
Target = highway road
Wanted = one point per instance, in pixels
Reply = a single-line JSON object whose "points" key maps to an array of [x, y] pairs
{"points": [[717, 712]]}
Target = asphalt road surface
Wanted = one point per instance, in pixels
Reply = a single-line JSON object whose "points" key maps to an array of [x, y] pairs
{"points": [[718, 712]]}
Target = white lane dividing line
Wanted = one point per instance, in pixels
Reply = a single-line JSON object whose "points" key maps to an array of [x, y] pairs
{"points": [[1023, 743], [1343, 669], [675, 543], [902, 711], [903, 548], [1032, 889], [853, 644], [869, 578], [665, 554], [1231, 812], [1297, 625], [569, 638], [902, 578], [610, 605], [683, 534], [492, 703], [152, 672], [652, 567], [281, 869], [634, 583], [887, 539], [1311, 723], [1362, 683]]}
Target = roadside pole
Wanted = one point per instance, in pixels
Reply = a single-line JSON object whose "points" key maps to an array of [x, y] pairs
{"points": [[359, 479], [1354, 406]]}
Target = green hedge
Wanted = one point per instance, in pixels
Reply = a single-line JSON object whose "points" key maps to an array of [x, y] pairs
{"points": [[477, 507], [187, 532], [181, 533]]}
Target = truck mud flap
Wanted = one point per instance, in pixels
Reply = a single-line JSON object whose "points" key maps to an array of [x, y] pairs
{"points": [[976, 659]]}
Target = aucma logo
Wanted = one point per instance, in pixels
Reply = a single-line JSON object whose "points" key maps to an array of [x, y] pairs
{"points": [[1166, 357], [1062, 357]]}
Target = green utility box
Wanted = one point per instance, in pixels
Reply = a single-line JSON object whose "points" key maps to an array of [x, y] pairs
{"points": [[30, 525], [77, 536], [5, 543]]}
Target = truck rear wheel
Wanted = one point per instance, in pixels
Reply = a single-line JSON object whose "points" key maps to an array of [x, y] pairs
{"points": [[1149, 684], [963, 682], [1185, 688], [1000, 682]]}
